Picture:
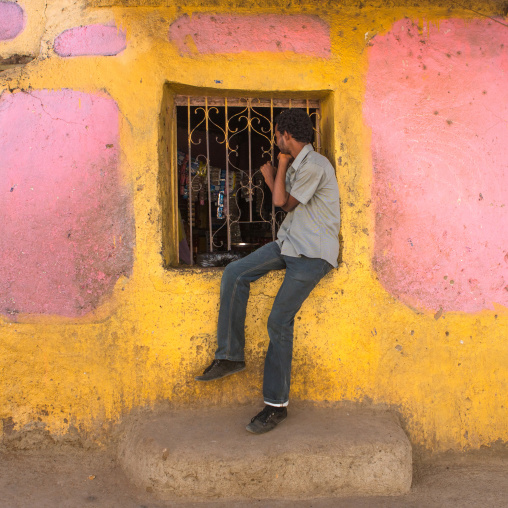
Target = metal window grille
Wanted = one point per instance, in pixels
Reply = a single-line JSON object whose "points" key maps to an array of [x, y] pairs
{"points": [[221, 145]]}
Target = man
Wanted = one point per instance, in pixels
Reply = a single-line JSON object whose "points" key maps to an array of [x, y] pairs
{"points": [[307, 246]]}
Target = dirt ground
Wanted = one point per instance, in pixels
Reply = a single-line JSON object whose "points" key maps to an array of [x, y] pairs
{"points": [[66, 476]]}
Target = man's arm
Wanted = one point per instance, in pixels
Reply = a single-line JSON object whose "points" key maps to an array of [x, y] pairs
{"points": [[276, 181]]}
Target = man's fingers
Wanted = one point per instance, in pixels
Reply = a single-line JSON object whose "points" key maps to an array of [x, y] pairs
{"points": [[284, 156], [268, 172]]}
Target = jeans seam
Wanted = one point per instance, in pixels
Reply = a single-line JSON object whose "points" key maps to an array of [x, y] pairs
{"points": [[233, 294], [267, 399]]}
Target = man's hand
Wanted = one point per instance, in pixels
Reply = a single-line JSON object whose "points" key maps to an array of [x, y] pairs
{"points": [[268, 172], [284, 159], [276, 181]]}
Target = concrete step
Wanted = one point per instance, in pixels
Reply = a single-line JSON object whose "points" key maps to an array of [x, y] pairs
{"points": [[317, 452]]}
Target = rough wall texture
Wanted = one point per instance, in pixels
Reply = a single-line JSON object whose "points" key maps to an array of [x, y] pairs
{"points": [[209, 33], [90, 40], [385, 328], [11, 20], [67, 226], [437, 102]]}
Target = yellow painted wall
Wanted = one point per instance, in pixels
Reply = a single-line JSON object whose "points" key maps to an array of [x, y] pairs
{"points": [[146, 343]]}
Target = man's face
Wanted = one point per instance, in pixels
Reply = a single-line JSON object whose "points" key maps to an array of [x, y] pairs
{"points": [[281, 142]]}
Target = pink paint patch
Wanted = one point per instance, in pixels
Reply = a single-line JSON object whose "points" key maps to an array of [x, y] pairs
{"points": [[11, 20], [437, 103], [66, 223], [90, 40], [209, 33]]}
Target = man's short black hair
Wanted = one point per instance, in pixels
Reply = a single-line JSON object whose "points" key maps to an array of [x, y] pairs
{"points": [[297, 123]]}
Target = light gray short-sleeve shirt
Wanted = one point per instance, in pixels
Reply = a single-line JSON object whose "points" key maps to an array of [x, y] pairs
{"points": [[312, 228]]}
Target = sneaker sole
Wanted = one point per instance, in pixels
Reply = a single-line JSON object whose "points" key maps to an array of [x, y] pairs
{"points": [[200, 378]]}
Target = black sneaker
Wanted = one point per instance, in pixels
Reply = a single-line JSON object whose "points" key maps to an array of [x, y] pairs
{"points": [[267, 419], [219, 369]]}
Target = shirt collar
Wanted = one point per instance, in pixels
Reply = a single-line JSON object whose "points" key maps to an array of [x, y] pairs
{"points": [[299, 158]]}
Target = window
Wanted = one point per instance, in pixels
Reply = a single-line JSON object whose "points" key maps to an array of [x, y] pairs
{"points": [[215, 194]]}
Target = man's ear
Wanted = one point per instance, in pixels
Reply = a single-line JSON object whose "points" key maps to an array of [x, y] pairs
{"points": [[287, 136]]}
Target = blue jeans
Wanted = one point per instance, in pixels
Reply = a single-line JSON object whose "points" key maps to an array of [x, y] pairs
{"points": [[302, 275]]}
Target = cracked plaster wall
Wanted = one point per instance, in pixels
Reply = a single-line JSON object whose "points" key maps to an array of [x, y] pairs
{"points": [[151, 329], [67, 233]]}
